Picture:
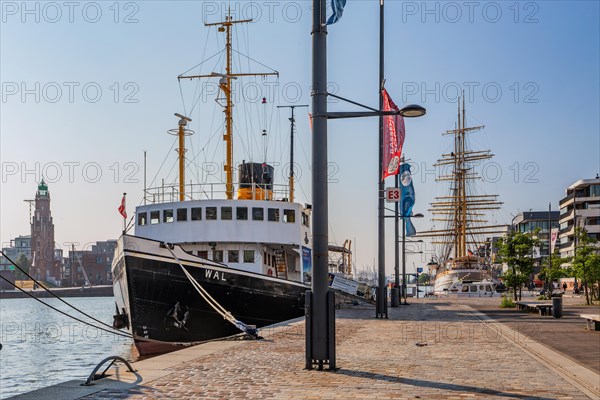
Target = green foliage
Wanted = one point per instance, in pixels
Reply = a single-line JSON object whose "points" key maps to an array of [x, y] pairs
{"points": [[25, 264], [423, 279], [516, 250], [586, 263], [507, 302]]}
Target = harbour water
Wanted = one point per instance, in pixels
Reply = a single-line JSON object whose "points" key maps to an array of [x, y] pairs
{"points": [[42, 347]]}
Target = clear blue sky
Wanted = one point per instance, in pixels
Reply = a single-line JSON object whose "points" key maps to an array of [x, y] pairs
{"points": [[531, 70]]}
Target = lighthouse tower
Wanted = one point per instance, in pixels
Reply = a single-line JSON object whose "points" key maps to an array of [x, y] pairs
{"points": [[42, 236]]}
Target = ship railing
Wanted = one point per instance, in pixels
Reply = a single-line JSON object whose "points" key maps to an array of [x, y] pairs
{"points": [[169, 193]]}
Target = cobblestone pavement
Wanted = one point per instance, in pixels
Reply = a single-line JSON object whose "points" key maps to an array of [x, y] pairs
{"points": [[459, 357]]}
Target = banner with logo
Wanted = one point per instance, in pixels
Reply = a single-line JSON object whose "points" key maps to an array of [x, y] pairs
{"points": [[393, 137]]}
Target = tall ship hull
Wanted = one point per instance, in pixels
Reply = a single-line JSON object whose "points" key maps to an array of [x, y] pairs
{"points": [[162, 304], [471, 269]]}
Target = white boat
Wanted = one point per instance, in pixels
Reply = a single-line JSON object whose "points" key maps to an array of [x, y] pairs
{"points": [[209, 260], [473, 289]]}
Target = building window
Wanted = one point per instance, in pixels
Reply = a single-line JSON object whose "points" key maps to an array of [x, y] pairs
{"points": [[226, 213], [211, 213], [273, 214], [289, 216], [154, 217], [182, 214], [241, 213], [142, 218], [167, 216], [218, 255], [258, 214], [197, 214], [233, 256], [248, 256], [203, 254]]}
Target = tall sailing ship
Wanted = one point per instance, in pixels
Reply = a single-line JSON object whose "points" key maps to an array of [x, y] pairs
{"points": [[207, 261], [462, 213]]}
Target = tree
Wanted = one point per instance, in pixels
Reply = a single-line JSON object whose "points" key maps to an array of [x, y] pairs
{"points": [[423, 279], [25, 264], [586, 262], [516, 250], [554, 270]]}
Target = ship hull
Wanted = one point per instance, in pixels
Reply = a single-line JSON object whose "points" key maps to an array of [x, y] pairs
{"points": [[445, 279], [162, 304]]}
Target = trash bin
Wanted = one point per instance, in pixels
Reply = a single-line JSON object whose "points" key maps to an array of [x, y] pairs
{"points": [[557, 302], [395, 297]]}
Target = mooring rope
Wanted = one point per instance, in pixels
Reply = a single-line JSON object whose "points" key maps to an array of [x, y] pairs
{"points": [[211, 301]]}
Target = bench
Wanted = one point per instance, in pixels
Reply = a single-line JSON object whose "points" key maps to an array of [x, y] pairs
{"points": [[535, 306], [592, 320]]}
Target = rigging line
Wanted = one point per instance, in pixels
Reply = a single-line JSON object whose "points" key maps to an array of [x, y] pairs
{"points": [[49, 291], [258, 62], [163, 163], [200, 64], [197, 98]]}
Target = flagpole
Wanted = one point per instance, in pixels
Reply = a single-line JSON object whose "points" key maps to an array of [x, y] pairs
{"points": [[381, 309]]}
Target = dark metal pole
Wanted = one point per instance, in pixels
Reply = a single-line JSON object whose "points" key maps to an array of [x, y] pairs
{"points": [[381, 311], [395, 298], [404, 259], [320, 325]]}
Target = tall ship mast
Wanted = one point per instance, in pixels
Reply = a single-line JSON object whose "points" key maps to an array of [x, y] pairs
{"points": [[462, 212]]}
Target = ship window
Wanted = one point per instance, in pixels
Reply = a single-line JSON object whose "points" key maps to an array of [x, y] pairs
{"points": [[488, 288], [481, 287], [464, 289], [289, 216], [305, 220], [197, 214], [211, 212], [258, 214], [268, 259], [249, 255], [241, 213], [473, 288], [264, 257], [168, 215], [154, 217], [182, 214], [274, 214], [142, 218], [226, 213], [218, 255], [233, 256], [203, 254]]}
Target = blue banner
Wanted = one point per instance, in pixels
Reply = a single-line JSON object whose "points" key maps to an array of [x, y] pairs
{"points": [[338, 10], [408, 198], [306, 264]]}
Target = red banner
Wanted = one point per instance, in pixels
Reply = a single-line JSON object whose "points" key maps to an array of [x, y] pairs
{"points": [[393, 137]]}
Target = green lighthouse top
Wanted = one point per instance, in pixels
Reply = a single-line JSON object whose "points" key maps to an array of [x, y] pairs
{"points": [[43, 188]]}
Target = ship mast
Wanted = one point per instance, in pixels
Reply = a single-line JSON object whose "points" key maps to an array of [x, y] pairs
{"points": [[462, 211], [225, 86]]}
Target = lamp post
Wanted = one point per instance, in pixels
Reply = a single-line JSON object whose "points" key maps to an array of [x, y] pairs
{"points": [[395, 301], [419, 215]]}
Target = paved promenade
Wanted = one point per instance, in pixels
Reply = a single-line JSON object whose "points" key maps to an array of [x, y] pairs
{"points": [[462, 355]]}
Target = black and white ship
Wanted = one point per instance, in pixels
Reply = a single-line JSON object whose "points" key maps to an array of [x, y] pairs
{"points": [[204, 257]]}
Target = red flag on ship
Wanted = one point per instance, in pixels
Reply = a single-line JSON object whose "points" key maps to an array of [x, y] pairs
{"points": [[122, 208], [393, 137]]}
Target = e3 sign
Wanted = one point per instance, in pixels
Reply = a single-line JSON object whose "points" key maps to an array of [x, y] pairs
{"points": [[392, 195]]}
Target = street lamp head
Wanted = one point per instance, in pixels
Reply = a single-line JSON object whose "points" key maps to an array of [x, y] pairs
{"points": [[413, 111], [418, 215]]}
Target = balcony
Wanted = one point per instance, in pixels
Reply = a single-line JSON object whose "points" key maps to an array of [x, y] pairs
{"points": [[566, 199]]}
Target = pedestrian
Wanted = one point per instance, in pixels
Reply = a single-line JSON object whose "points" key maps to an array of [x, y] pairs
{"points": [[564, 286]]}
